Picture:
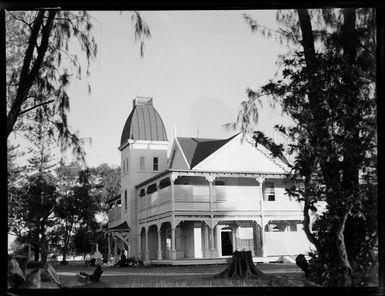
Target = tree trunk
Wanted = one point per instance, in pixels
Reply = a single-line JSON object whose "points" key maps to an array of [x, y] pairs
{"points": [[66, 241], [307, 37], [346, 279], [241, 266], [27, 76], [306, 222], [43, 248], [65, 248], [36, 253]]}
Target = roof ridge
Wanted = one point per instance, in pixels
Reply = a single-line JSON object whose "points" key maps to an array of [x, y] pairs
{"points": [[213, 139]]}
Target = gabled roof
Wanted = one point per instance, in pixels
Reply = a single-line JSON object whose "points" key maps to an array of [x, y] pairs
{"points": [[197, 149]]}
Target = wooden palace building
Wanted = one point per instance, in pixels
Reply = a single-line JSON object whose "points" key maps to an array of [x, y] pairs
{"points": [[209, 198]]}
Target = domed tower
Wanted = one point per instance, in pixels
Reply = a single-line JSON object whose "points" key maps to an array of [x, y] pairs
{"points": [[143, 148]]}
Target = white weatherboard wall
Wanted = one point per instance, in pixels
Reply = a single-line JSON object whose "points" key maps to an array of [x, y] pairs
{"points": [[287, 243], [240, 157], [132, 152]]}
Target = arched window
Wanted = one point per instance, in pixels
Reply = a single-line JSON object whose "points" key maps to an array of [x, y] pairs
{"points": [[125, 200], [155, 165]]}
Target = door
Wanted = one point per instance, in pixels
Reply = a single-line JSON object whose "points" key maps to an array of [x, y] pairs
{"points": [[227, 244]]}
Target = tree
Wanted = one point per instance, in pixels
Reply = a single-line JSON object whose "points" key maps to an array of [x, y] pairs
{"points": [[87, 236], [14, 178], [241, 266], [38, 203], [82, 241], [40, 65], [330, 95], [105, 183], [31, 210], [76, 206]]}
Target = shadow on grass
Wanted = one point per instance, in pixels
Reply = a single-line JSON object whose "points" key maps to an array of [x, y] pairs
{"points": [[156, 281]]}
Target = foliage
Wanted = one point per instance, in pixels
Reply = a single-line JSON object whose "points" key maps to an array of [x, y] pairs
{"points": [[38, 203], [330, 97], [14, 178], [82, 241], [40, 66], [106, 183], [42, 49], [75, 206]]}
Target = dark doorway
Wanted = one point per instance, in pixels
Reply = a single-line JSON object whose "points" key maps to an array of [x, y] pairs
{"points": [[227, 246]]}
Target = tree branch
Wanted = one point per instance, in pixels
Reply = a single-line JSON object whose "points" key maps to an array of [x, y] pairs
{"points": [[28, 77], [36, 106], [24, 84]]}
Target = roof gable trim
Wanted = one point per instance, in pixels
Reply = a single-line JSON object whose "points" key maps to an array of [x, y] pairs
{"points": [[182, 152]]}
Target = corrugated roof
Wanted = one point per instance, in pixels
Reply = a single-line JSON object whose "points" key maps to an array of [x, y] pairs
{"points": [[197, 149], [121, 227], [144, 123]]}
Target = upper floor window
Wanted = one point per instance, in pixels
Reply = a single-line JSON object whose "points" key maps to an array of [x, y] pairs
{"points": [[126, 165], [142, 164], [269, 191], [125, 200], [142, 192], [155, 165]]}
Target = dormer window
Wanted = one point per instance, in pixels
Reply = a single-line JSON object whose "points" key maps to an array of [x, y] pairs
{"points": [[155, 164], [142, 164]]}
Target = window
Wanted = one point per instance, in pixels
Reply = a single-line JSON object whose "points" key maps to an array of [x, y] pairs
{"points": [[269, 191], [126, 165], [142, 192], [124, 168], [142, 163], [164, 183], [152, 188], [155, 165], [125, 200]]}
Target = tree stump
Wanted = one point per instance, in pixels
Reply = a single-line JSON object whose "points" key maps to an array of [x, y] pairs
{"points": [[241, 266]]}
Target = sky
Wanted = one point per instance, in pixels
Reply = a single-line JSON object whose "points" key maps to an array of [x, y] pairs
{"points": [[197, 66]]}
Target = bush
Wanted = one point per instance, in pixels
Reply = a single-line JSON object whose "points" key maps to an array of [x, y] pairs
{"points": [[134, 261]]}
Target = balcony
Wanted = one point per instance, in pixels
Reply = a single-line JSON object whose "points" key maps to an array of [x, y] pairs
{"points": [[192, 197], [282, 205], [155, 203], [236, 198], [196, 198]]}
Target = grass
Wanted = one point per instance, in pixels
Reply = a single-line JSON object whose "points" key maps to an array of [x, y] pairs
{"points": [[177, 276]]}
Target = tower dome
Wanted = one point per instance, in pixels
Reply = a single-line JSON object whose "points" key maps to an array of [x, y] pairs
{"points": [[143, 123]]}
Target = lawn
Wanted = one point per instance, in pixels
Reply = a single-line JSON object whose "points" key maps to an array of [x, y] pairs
{"points": [[177, 276]]}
